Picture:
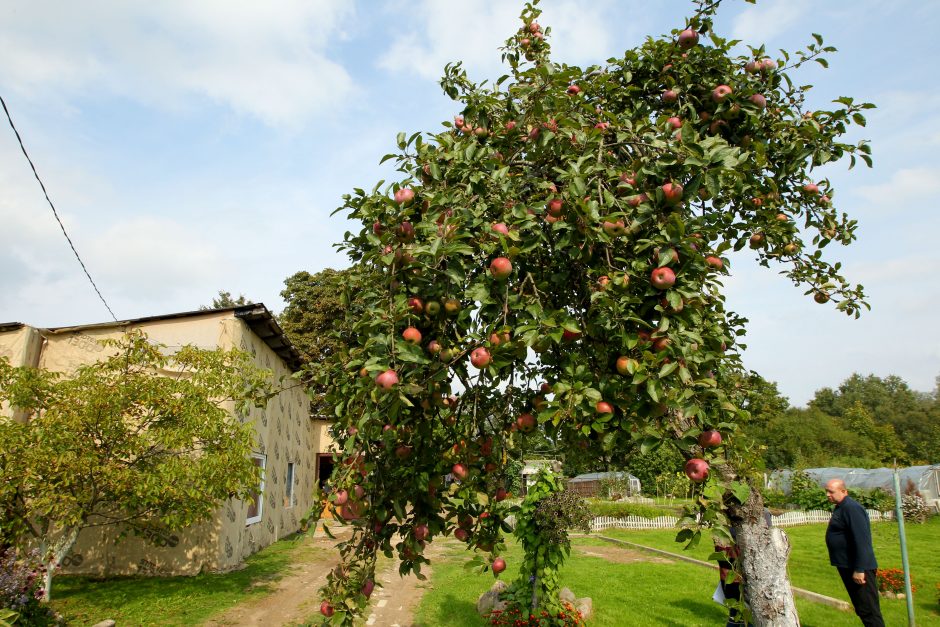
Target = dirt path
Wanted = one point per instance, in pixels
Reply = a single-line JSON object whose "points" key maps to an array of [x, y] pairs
{"points": [[294, 597], [394, 604]]}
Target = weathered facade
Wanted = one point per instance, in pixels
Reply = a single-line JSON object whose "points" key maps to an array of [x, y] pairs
{"points": [[292, 447]]}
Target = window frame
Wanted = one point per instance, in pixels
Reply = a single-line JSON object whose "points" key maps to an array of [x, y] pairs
{"points": [[290, 498], [251, 520]]}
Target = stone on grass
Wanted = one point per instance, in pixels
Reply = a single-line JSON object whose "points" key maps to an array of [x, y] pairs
{"points": [[108, 622], [489, 600], [586, 606], [566, 595]]}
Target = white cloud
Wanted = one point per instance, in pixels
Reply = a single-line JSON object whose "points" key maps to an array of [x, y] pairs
{"points": [[268, 63], [475, 32], [765, 21], [907, 187], [153, 257]]}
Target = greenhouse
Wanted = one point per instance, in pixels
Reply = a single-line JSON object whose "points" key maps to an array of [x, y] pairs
{"points": [[924, 479]]}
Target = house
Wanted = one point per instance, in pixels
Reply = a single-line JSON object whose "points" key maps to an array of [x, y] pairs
{"points": [[292, 447]]}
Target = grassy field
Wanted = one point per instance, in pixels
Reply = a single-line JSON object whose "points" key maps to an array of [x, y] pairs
{"points": [[176, 600], [810, 569], [679, 594]]}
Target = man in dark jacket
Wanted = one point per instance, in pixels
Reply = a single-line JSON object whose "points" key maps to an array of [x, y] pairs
{"points": [[848, 539]]}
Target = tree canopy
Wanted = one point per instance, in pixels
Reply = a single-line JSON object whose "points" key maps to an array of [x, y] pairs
{"points": [[140, 439], [552, 260]]}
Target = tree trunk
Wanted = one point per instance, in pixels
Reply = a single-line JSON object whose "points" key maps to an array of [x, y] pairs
{"points": [[53, 555], [763, 562]]}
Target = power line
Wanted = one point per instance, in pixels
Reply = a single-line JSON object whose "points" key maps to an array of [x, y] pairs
{"points": [[54, 212]]}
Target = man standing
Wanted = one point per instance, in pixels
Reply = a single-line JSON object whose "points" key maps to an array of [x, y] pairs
{"points": [[848, 539]]}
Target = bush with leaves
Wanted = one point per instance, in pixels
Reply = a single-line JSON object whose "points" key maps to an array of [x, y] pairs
{"points": [[542, 523], [21, 590]]}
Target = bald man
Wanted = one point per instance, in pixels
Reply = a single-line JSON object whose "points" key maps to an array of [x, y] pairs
{"points": [[848, 539]]}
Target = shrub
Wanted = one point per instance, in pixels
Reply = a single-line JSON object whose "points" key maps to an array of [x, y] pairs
{"points": [[806, 493], [622, 510], [775, 498], [914, 508], [892, 580], [877, 499], [21, 588]]}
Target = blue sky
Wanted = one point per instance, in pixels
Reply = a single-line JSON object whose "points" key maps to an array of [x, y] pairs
{"points": [[198, 146]]}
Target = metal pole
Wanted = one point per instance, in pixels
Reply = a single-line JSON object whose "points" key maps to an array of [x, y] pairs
{"points": [[899, 515]]}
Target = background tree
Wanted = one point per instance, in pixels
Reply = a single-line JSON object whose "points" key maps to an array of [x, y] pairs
{"points": [[224, 300], [556, 255], [314, 320], [140, 439]]}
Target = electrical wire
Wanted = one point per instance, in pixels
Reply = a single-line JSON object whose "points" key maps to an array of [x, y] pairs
{"points": [[54, 212]]}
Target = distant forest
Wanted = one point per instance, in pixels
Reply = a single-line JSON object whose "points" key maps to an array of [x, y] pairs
{"points": [[866, 422]]}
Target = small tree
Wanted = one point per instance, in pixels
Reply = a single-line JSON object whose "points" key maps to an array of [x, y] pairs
{"points": [[140, 439], [224, 300], [544, 518]]}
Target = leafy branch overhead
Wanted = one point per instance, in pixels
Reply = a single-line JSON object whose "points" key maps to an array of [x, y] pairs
{"points": [[556, 254]]}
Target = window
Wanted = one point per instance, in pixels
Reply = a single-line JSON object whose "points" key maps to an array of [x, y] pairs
{"points": [[256, 504], [289, 498]]}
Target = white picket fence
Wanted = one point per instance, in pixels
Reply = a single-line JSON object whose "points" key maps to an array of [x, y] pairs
{"points": [[787, 519]]}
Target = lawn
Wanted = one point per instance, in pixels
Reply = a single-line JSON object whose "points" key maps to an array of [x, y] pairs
{"points": [[679, 594], [810, 569], [177, 600]]}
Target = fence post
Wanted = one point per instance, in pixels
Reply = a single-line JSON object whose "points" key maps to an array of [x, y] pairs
{"points": [[899, 514]]}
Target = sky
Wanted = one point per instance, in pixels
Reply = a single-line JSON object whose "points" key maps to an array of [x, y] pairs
{"points": [[192, 147]]}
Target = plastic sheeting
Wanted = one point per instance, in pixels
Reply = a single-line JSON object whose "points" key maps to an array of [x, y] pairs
{"points": [[926, 479], [598, 476]]}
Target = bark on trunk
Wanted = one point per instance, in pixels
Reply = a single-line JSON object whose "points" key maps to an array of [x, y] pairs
{"points": [[53, 555], [763, 558]]}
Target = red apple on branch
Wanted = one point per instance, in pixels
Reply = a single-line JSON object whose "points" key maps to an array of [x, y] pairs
{"points": [[326, 608], [404, 196], [721, 93], [500, 227], [367, 587], [460, 471], [499, 565], [688, 39], [603, 407], [500, 268], [412, 335], [672, 192], [480, 357], [709, 439], [663, 278], [714, 262], [526, 423], [387, 380], [696, 469]]}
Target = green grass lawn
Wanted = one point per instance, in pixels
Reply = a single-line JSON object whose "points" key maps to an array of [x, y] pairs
{"points": [[679, 594], [176, 600]]}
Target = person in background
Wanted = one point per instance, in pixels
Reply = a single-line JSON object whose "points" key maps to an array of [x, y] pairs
{"points": [[848, 539]]}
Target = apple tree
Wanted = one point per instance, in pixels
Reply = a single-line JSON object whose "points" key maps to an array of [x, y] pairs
{"points": [[552, 260]]}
